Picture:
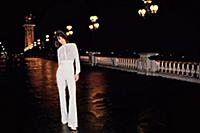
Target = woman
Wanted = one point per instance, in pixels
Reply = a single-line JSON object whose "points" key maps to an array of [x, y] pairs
{"points": [[66, 76]]}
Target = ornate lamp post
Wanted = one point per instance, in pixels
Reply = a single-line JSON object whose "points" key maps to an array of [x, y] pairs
{"points": [[94, 24], [47, 38], [148, 8], [69, 30]]}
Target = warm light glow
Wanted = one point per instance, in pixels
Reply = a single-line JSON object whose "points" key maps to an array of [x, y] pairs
{"points": [[147, 1], [93, 18], [47, 38], [69, 27], [96, 25], [154, 8], [96, 97], [38, 40], [142, 12], [91, 27], [70, 32], [148, 8]]}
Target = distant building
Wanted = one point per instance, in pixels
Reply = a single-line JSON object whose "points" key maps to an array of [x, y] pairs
{"points": [[29, 30]]}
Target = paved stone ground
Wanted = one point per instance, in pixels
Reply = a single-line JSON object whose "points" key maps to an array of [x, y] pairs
{"points": [[109, 101]]}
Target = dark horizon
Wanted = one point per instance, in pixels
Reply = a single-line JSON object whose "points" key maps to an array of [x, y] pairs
{"points": [[175, 29]]}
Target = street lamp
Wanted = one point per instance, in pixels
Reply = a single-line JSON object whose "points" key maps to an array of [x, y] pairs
{"points": [[148, 7], [47, 38], [69, 30], [94, 24]]}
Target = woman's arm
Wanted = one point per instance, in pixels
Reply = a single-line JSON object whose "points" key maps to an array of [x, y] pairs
{"points": [[77, 61], [58, 57]]}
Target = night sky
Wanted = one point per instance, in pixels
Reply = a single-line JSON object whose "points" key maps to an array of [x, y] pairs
{"points": [[175, 29]]}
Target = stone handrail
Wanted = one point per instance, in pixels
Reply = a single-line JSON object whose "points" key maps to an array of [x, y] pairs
{"points": [[187, 71], [191, 69]]}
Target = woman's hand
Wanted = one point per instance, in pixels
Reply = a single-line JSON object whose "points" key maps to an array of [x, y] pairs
{"points": [[76, 77]]}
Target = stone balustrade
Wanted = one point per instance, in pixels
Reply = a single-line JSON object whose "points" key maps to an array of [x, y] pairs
{"points": [[186, 71]]}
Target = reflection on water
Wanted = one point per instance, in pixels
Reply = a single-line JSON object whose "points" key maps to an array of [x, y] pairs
{"points": [[92, 95], [96, 93], [108, 101], [96, 99], [43, 80]]}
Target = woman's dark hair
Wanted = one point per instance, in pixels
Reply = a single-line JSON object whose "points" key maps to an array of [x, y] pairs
{"points": [[60, 33]]}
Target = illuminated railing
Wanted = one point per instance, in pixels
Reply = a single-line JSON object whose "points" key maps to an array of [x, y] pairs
{"points": [[191, 69], [186, 71], [85, 59]]}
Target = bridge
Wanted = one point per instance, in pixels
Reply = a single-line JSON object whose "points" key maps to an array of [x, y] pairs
{"points": [[178, 70], [142, 64], [146, 64], [112, 98]]}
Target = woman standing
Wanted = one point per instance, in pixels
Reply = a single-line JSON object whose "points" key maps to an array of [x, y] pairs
{"points": [[66, 76]]}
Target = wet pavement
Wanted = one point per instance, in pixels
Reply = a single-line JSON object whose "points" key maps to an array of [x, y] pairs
{"points": [[109, 101]]}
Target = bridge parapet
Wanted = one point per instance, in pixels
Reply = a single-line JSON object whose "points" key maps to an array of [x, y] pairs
{"points": [[180, 70]]}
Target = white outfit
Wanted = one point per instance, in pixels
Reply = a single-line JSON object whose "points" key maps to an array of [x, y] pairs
{"points": [[68, 55]]}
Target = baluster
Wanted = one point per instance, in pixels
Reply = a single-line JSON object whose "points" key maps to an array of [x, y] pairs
{"points": [[198, 71], [128, 61], [120, 62], [132, 60], [178, 67], [116, 61], [135, 64], [162, 66], [170, 68], [187, 70], [174, 67], [158, 65], [192, 70], [182, 69], [131, 63], [165, 67]]}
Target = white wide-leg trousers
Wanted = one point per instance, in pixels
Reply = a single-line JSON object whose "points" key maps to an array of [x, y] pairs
{"points": [[65, 79]]}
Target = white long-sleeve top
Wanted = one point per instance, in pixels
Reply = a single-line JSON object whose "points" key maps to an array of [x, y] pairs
{"points": [[69, 52]]}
